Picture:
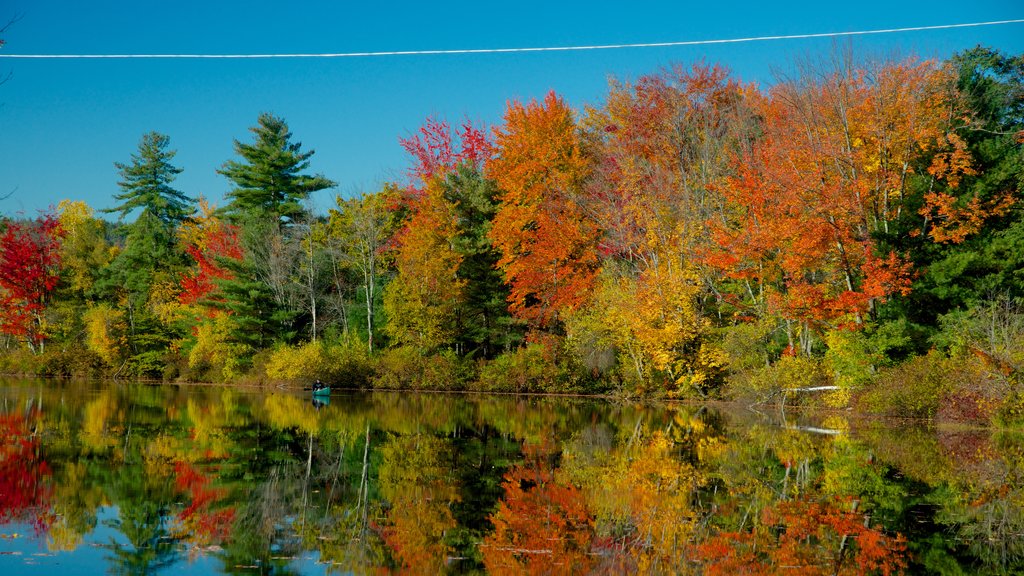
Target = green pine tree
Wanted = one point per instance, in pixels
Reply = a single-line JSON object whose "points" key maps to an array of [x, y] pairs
{"points": [[485, 326], [268, 181], [151, 253], [146, 184]]}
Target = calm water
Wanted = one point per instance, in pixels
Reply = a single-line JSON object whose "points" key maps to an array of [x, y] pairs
{"points": [[115, 478]]}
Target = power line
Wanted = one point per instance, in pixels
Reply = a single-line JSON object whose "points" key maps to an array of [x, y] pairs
{"points": [[534, 49]]}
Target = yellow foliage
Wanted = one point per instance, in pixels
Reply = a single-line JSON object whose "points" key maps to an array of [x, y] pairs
{"points": [[421, 302], [163, 301], [285, 411], [415, 477], [213, 347], [654, 322], [104, 329], [97, 418], [650, 489], [72, 213], [303, 362]]}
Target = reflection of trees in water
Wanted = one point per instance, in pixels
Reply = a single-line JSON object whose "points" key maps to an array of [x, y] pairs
{"points": [[144, 504], [263, 536], [992, 531], [413, 482]]}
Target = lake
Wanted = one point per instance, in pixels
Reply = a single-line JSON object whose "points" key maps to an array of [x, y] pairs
{"points": [[133, 479]]}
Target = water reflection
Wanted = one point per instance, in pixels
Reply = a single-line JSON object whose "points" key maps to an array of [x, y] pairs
{"points": [[133, 479]]}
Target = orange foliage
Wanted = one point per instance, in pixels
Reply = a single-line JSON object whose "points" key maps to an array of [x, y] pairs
{"points": [[806, 538], [659, 154], [206, 239], [953, 223], [541, 526], [547, 243], [830, 171]]}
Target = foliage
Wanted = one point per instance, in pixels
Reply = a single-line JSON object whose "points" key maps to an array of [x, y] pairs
{"points": [[913, 389], [362, 227], [423, 299], [689, 236], [146, 183], [406, 367], [813, 538], [269, 183], [529, 369], [346, 363], [547, 245], [29, 273], [542, 526]]}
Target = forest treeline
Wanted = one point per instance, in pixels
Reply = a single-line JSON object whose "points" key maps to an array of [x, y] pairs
{"points": [[855, 225]]}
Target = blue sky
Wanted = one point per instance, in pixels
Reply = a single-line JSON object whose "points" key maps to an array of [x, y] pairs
{"points": [[63, 123]]}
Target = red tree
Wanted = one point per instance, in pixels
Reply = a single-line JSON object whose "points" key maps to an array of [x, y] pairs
{"points": [[433, 149], [208, 239], [25, 477], [29, 272]]}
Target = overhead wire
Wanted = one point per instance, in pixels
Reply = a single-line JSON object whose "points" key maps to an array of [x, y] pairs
{"points": [[533, 49]]}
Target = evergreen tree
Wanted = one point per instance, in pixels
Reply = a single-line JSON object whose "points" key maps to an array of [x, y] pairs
{"points": [[146, 184], [268, 181], [989, 262], [151, 255], [485, 326]]}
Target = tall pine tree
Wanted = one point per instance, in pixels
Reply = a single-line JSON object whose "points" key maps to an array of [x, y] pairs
{"points": [[151, 255], [266, 202], [268, 182]]}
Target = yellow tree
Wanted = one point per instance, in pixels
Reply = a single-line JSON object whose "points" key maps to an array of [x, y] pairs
{"points": [[422, 300]]}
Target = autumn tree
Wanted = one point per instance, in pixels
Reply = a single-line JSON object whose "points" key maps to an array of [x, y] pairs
{"points": [[424, 300], [808, 537], [830, 175], [362, 227], [541, 526], [85, 252], [29, 273], [212, 244], [660, 149], [141, 277], [547, 244]]}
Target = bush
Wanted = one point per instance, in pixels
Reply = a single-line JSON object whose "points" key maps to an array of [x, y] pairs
{"points": [[18, 361], [346, 363], [406, 368], [71, 362], [528, 369], [913, 389], [788, 373], [294, 363]]}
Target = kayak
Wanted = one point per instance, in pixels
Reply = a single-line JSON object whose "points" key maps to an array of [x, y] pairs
{"points": [[324, 391]]}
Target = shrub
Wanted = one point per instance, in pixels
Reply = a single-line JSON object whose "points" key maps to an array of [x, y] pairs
{"points": [[527, 369], [406, 368], [348, 363], [913, 389], [293, 363], [345, 363], [70, 362], [399, 368]]}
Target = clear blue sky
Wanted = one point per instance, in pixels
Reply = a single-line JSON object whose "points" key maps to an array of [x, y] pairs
{"points": [[63, 123]]}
